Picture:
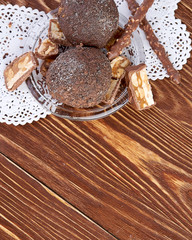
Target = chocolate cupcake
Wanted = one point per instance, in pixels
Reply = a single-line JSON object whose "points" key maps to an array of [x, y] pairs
{"points": [[79, 77], [92, 23]]}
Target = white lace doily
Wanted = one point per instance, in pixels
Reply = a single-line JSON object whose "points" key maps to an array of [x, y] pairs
{"points": [[20, 107], [171, 33]]}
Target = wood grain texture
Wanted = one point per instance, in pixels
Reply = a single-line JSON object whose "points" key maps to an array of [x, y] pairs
{"points": [[49, 216], [140, 189], [42, 5], [131, 173]]}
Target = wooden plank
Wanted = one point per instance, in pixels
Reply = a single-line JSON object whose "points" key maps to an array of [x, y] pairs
{"points": [[134, 181], [42, 5], [29, 210]]}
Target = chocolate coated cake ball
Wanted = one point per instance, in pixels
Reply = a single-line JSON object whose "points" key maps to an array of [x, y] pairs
{"points": [[91, 22], [79, 77]]}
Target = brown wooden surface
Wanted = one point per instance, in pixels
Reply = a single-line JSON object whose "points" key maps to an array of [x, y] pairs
{"points": [[128, 176], [49, 216]]}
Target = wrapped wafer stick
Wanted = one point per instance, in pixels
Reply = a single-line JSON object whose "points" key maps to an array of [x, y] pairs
{"points": [[155, 44], [132, 25]]}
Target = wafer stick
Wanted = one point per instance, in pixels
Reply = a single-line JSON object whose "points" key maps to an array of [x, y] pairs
{"points": [[155, 44], [132, 25]]}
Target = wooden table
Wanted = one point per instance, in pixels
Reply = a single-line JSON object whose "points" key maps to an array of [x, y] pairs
{"points": [[128, 176]]}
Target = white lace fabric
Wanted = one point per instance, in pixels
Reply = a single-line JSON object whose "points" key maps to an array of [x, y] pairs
{"points": [[20, 107], [171, 33]]}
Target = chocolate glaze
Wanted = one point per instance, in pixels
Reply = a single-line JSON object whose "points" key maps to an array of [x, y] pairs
{"points": [[92, 23], [79, 77]]}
